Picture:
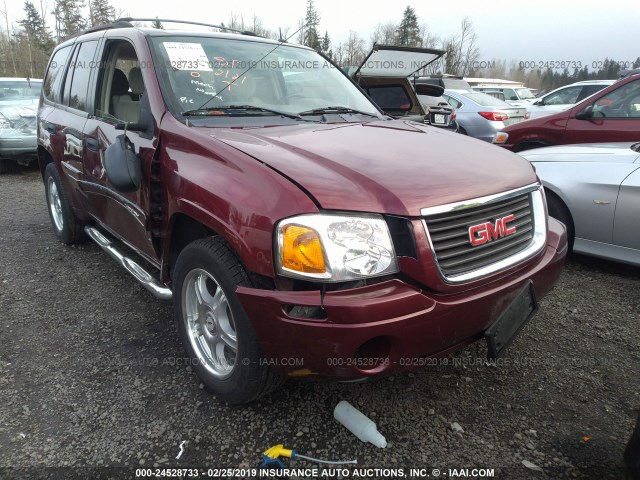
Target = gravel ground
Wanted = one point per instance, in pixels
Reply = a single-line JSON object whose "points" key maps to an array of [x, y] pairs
{"points": [[92, 375]]}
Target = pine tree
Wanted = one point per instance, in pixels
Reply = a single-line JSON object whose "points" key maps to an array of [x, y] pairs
{"points": [[310, 36], [157, 24], [101, 12], [325, 46], [69, 18], [37, 34], [409, 31], [34, 26]]}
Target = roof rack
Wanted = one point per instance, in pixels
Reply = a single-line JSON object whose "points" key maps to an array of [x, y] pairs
{"points": [[166, 20], [126, 22], [119, 23]]}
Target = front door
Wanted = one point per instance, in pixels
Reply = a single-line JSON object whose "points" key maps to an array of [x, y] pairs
{"points": [[119, 96], [616, 118]]}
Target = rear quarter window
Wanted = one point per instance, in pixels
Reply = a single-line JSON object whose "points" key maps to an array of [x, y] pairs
{"points": [[55, 74], [81, 71]]}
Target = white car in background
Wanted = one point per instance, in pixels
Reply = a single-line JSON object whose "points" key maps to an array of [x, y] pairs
{"points": [[515, 96], [565, 97]]}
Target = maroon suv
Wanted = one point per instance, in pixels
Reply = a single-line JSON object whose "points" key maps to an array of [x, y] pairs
{"points": [[298, 229], [611, 115]]}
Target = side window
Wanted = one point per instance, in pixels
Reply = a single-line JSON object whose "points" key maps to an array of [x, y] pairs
{"points": [[589, 90], [510, 94], [623, 102], [453, 102], [564, 96], [55, 74], [120, 85], [81, 71]]}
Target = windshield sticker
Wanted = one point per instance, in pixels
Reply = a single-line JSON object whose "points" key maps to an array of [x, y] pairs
{"points": [[187, 56]]}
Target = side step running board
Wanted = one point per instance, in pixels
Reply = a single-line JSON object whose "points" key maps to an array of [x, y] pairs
{"points": [[145, 278]]}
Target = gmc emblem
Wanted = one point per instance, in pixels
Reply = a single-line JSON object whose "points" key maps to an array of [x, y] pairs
{"points": [[486, 232]]}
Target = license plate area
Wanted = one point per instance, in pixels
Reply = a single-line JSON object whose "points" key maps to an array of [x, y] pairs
{"points": [[506, 328], [438, 118]]}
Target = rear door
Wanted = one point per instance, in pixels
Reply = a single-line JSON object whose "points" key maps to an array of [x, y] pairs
{"points": [[616, 117], [64, 112]]}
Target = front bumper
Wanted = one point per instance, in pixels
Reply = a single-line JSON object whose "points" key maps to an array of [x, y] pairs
{"points": [[387, 326]]}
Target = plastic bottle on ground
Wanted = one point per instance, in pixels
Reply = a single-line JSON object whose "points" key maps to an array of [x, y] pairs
{"points": [[359, 424]]}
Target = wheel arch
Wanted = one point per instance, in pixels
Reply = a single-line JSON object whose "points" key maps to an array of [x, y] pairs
{"points": [[555, 195], [185, 228], [44, 159]]}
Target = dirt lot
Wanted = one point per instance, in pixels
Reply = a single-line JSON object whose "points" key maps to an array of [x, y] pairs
{"points": [[92, 376]]}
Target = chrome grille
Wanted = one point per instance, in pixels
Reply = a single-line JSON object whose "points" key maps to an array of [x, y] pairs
{"points": [[448, 230]]}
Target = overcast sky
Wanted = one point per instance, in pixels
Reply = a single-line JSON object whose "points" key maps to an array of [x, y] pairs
{"points": [[545, 30]]}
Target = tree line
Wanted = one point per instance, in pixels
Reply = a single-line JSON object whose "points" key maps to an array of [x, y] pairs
{"points": [[25, 48]]}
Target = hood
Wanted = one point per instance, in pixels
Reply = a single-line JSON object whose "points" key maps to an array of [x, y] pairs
{"points": [[623, 152], [17, 120], [393, 167], [21, 110]]}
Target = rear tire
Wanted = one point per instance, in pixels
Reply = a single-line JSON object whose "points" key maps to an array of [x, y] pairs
{"points": [[559, 211], [214, 329], [66, 226]]}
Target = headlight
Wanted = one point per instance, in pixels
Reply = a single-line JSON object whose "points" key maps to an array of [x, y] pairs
{"points": [[334, 248]]}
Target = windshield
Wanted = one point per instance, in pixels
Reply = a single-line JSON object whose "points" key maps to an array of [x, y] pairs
{"points": [[19, 89], [206, 76], [525, 93]]}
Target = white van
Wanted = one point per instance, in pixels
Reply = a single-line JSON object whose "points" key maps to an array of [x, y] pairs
{"points": [[516, 96]]}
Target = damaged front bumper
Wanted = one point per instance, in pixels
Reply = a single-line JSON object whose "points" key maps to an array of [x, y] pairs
{"points": [[388, 326]]}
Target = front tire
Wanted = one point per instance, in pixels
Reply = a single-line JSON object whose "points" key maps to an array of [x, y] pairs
{"points": [[559, 211], [66, 226], [213, 326]]}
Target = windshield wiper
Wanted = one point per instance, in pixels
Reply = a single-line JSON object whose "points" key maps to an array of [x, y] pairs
{"points": [[336, 109], [237, 110]]}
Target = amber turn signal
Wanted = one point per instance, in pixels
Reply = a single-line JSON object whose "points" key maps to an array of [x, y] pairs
{"points": [[302, 250]]}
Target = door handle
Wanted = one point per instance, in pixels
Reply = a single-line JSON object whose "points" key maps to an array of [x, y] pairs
{"points": [[93, 144]]}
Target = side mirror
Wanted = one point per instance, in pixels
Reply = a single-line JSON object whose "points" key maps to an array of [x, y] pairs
{"points": [[585, 114], [539, 102], [513, 97], [429, 89], [123, 165]]}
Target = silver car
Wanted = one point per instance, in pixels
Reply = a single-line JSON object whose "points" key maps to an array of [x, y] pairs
{"points": [[18, 107], [594, 189], [480, 115], [565, 97]]}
